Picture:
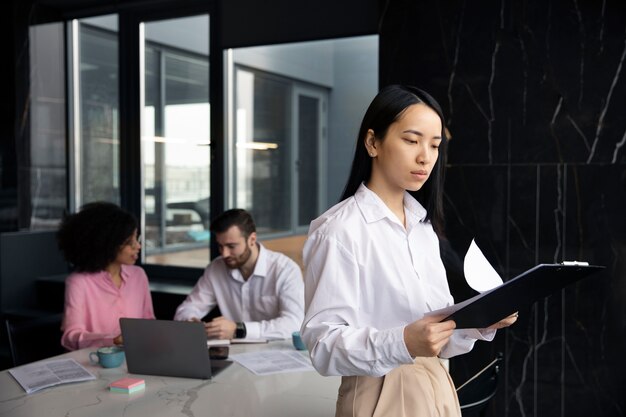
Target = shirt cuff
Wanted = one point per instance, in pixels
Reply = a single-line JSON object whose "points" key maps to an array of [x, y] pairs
{"points": [[479, 334], [405, 356], [253, 329]]}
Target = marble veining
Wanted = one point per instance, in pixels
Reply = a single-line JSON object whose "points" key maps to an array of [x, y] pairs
{"points": [[192, 395], [579, 131], [601, 35], [182, 398], [455, 61], [534, 94], [558, 216], [600, 125], [581, 71], [97, 401], [618, 146]]}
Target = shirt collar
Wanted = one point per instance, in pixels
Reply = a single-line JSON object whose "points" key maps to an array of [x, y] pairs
{"points": [[374, 209], [260, 268], [106, 276], [124, 272]]}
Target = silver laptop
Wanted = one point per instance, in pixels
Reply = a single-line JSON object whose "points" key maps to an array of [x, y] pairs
{"points": [[168, 348]]}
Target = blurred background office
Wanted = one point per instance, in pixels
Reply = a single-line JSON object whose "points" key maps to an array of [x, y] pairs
{"points": [[177, 110]]}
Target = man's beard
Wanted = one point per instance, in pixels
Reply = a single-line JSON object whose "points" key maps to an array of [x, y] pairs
{"points": [[238, 262]]}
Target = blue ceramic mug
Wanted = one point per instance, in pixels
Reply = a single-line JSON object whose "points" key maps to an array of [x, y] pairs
{"points": [[107, 357], [297, 341]]}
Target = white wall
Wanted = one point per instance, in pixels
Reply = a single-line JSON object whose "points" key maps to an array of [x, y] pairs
{"points": [[355, 85], [306, 61]]}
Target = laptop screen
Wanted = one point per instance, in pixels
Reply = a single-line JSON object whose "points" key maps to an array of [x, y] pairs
{"points": [[167, 348]]}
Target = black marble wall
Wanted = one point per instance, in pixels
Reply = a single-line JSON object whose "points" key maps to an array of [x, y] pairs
{"points": [[535, 97]]}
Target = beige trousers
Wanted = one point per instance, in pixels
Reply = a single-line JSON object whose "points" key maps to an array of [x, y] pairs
{"points": [[423, 389]]}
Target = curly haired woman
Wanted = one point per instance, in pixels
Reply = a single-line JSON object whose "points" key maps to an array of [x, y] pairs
{"points": [[101, 242]]}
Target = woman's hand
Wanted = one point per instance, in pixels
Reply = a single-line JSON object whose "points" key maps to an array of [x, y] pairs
{"points": [[506, 322], [426, 337], [118, 340]]}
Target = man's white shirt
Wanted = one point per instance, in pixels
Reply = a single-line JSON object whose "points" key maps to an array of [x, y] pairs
{"points": [[270, 302]]}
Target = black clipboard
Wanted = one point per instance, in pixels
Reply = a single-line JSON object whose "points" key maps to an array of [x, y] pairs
{"points": [[516, 294]]}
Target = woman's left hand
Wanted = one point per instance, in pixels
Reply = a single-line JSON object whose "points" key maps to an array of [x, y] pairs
{"points": [[506, 322]]}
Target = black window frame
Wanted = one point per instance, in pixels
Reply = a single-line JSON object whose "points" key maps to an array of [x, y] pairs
{"points": [[233, 24]]}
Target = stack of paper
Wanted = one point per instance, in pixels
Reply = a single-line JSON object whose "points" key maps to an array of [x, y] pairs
{"points": [[127, 385]]}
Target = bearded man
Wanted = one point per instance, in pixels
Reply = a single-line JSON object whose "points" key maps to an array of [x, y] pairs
{"points": [[259, 292]]}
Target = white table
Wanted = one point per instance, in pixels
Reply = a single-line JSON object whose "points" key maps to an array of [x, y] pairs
{"points": [[233, 392]]}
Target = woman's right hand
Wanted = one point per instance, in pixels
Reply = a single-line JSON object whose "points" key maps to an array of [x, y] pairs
{"points": [[427, 336]]}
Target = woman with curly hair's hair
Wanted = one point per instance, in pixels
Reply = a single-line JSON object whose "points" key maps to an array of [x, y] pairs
{"points": [[101, 241]]}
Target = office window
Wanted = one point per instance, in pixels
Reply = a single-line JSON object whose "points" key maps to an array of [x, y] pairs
{"points": [[94, 103], [175, 141], [279, 133], [293, 116], [45, 164]]}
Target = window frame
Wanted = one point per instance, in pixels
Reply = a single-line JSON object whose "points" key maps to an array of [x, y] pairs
{"points": [[237, 23]]}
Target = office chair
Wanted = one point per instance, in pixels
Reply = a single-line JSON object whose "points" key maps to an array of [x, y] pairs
{"points": [[475, 393], [32, 339]]}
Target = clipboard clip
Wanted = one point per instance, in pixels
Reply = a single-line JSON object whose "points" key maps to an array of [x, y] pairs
{"points": [[575, 263]]}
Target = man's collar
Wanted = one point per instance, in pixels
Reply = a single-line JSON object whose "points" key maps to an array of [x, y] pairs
{"points": [[260, 267]]}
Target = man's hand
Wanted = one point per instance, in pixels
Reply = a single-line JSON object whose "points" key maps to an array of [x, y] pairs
{"points": [[426, 337], [220, 328]]}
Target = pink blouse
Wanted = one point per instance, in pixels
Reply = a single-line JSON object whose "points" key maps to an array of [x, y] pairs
{"points": [[94, 305]]}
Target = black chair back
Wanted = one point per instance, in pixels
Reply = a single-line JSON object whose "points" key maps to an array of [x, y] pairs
{"points": [[475, 394], [32, 339]]}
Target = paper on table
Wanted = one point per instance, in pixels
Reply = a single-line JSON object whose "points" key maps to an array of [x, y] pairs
{"points": [[46, 374], [268, 362], [248, 340], [479, 273]]}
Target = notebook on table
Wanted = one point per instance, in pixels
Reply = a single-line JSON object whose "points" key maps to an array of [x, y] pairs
{"points": [[168, 348]]}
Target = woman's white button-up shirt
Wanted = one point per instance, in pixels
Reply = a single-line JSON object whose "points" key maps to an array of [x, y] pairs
{"points": [[366, 278]]}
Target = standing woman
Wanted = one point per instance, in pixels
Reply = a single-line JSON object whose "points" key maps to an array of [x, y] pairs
{"points": [[373, 269], [101, 241]]}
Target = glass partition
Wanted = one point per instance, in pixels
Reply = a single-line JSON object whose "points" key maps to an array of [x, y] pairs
{"points": [[175, 141], [46, 163], [294, 112], [94, 125]]}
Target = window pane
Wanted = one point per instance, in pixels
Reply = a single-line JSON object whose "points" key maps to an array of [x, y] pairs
{"points": [[295, 111], [175, 142], [47, 136], [264, 150], [308, 133], [97, 109]]}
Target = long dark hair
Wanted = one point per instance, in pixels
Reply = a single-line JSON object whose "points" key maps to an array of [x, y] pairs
{"points": [[387, 107]]}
